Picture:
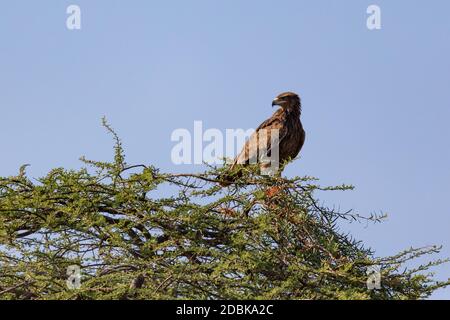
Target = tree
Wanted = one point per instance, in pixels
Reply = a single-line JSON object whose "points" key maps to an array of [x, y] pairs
{"points": [[262, 237]]}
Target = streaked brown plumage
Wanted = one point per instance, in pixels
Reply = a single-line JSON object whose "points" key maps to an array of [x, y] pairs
{"points": [[291, 135]]}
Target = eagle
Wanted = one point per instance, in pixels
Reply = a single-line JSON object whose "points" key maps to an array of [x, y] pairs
{"points": [[291, 137]]}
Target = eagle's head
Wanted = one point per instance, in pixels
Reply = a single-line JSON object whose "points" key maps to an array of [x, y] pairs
{"points": [[287, 100]]}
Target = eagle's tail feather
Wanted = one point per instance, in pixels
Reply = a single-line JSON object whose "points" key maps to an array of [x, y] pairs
{"points": [[228, 178]]}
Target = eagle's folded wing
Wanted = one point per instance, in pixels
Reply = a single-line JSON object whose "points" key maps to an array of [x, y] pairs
{"points": [[261, 140]]}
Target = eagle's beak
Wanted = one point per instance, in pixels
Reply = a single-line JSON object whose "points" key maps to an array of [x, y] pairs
{"points": [[276, 102]]}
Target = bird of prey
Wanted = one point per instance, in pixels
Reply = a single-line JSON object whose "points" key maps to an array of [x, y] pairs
{"points": [[289, 141]]}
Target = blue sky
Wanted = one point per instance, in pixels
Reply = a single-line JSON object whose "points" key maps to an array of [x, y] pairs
{"points": [[376, 104]]}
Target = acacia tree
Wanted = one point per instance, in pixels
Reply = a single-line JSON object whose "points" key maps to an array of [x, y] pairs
{"points": [[260, 238]]}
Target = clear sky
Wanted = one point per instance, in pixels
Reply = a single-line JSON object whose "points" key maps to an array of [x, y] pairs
{"points": [[376, 104]]}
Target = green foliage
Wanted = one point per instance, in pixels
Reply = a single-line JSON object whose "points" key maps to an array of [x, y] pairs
{"points": [[260, 238]]}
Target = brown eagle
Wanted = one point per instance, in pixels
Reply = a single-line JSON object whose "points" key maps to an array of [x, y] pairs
{"points": [[291, 136]]}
